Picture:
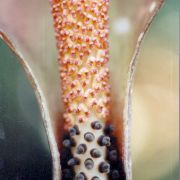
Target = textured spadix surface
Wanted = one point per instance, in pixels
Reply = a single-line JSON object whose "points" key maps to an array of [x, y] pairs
{"points": [[29, 25], [82, 32]]}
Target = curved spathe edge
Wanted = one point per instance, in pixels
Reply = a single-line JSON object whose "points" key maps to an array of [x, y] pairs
{"points": [[42, 104], [127, 113]]}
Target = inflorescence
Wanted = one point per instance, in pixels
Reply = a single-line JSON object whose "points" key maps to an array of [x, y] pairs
{"points": [[89, 149]]}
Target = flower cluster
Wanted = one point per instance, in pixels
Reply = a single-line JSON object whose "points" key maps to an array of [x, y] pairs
{"points": [[82, 40]]}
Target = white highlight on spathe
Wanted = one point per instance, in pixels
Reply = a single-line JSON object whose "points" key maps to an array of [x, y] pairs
{"points": [[122, 25], [152, 7]]}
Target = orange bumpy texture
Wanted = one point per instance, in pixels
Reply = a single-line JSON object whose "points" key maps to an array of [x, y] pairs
{"points": [[82, 39]]}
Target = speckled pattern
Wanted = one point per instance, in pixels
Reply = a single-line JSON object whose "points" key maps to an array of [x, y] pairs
{"points": [[82, 40]]}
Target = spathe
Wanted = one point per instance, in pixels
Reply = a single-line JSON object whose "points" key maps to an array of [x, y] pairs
{"points": [[29, 26]]}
